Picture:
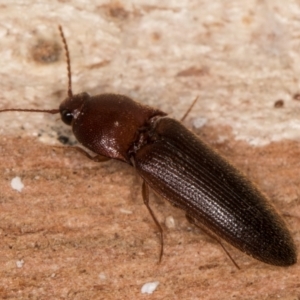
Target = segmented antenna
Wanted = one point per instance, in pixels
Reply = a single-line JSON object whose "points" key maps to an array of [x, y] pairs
{"points": [[70, 94], [49, 111]]}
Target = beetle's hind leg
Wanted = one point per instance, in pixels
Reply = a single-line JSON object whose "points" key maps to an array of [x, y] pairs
{"points": [[145, 193], [210, 234]]}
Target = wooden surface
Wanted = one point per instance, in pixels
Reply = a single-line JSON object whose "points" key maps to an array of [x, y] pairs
{"points": [[78, 229], [83, 233]]}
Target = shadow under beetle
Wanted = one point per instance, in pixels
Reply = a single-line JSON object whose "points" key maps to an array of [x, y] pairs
{"points": [[180, 168]]}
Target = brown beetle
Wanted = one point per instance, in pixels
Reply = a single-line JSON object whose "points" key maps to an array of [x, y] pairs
{"points": [[180, 168]]}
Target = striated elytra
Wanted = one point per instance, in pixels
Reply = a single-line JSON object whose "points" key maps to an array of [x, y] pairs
{"points": [[179, 167], [184, 170]]}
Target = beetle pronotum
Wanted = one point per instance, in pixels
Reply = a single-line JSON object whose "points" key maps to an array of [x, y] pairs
{"points": [[180, 168]]}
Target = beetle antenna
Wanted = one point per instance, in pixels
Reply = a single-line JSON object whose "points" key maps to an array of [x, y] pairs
{"points": [[49, 111], [70, 94]]}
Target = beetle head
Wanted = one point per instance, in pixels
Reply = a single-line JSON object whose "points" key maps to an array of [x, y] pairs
{"points": [[70, 108]]}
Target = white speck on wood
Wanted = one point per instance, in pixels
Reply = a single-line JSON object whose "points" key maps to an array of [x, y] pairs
{"points": [[20, 263], [170, 222], [17, 184], [149, 287], [125, 211], [199, 122]]}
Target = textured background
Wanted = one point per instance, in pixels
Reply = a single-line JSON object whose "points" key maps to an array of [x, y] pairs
{"points": [[81, 228]]}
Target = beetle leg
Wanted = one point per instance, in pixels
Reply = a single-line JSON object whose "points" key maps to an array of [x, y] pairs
{"points": [[145, 193], [192, 221]]}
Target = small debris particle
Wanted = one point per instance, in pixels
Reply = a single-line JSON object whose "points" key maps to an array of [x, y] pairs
{"points": [[297, 97], [102, 276], [193, 71], [149, 287], [170, 222], [117, 11], [156, 36], [17, 184], [199, 122], [278, 104], [20, 263], [46, 52], [63, 139], [125, 211]]}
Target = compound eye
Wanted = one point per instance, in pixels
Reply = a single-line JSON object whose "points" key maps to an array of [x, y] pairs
{"points": [[67, 117]]}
